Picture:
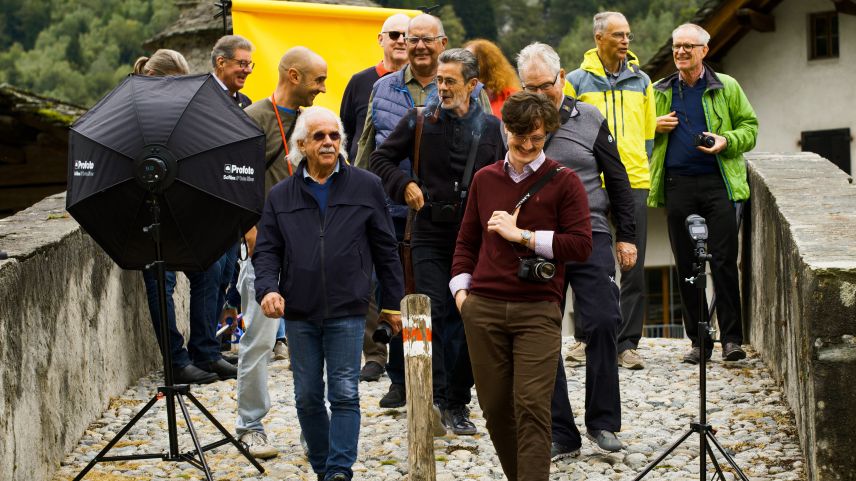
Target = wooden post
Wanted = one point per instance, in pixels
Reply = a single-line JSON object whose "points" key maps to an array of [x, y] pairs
{"points": [[416, 335]]}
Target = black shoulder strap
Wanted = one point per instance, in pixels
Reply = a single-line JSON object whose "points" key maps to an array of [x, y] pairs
{"points": [[471, 161], [537, 186], [565, 112]]}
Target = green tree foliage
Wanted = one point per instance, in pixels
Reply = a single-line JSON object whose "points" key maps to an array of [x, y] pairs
{"points": [[76, 50]]}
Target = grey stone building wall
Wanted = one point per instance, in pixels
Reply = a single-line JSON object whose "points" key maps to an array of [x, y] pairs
{"points": [[802, 299], [74, 331]]}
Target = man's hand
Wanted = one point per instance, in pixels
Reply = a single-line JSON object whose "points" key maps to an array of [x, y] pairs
{"points": [[460, 297], [250, 237], [626, 253], [413, 196], [667, 123], [505, 224], [273, 305], [720, 144], [394, 321]]}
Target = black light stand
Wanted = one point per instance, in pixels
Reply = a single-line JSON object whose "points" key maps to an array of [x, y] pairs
{"points": [[170, 391], [224, 6], [698, 233]]}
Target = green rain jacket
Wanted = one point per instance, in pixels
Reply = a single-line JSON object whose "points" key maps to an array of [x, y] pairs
{"points": [[729, 114]]}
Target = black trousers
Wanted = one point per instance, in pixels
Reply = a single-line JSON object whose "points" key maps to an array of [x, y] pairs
{"points": [[707, 196], [596, 305]]}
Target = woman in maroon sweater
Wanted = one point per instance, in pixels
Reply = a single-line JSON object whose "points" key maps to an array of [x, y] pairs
{"points": [[513, 324]]}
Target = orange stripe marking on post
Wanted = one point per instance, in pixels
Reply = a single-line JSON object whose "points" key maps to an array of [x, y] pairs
{"points": [[414, 333]]}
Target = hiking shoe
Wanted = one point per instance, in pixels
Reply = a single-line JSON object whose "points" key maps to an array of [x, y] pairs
{"points": [[560, 451], [630, 359], [395, 398], [578, 353], [257, 444], [732, 351], [694, 356], [606, 440], [371, 372], [280, 351], [457, 418]]}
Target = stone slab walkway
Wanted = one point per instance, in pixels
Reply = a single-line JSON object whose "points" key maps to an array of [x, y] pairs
{"points": [[659, 402]]}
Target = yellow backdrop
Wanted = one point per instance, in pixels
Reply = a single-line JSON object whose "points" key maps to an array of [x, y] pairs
{"points": [[345, 36]]}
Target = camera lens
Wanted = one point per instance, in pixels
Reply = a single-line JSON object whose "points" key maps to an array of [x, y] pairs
{"points": [[545, 270]]}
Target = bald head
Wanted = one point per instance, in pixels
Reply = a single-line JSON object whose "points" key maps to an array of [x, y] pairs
{"points": [[426, 21], [302, 76], [396, 22]]}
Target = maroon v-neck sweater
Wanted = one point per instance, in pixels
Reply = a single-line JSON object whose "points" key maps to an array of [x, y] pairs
{"points": [[560, 206]]}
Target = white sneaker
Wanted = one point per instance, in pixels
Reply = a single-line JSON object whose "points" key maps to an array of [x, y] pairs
{"points": [[280, 351], [257, 444], [578, 353]]}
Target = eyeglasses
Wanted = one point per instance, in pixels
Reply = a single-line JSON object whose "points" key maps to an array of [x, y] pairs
{"points": [[319, 136], [540, 88], [685, 46], [536, 139], [244, 64], [620, 35], [428, 41], [394, 35]]}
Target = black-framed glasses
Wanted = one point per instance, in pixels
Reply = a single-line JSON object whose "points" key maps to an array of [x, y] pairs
{"points": [[428, 41], [394, 35], [620, 35], [687, 47], [244, 64], [535, 139], [319, 136], [545, 86]]}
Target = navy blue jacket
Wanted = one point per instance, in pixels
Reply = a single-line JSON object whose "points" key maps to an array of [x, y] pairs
{"points": [[322, 264]]}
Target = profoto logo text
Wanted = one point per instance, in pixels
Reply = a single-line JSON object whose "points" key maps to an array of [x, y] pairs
{"points": [[242, 173], [84, 168]]}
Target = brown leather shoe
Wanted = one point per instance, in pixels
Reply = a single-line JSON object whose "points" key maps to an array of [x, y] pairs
{"points": [[732, 351]]}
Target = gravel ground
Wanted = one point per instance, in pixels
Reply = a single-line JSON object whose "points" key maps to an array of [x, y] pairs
{"points": [[745, 406]]}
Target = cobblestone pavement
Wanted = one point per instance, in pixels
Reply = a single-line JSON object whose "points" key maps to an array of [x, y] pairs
{"points": [[744, 405]]}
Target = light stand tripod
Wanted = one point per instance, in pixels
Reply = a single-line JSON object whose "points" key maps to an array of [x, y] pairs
{"points": [[174, 394], [698, 232]]}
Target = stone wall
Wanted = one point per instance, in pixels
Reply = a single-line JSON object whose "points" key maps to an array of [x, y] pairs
{"points": [[74, 332], [802, 299]]}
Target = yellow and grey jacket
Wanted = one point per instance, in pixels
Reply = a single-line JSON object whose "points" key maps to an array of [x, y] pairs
{"points": [[627, 103]]}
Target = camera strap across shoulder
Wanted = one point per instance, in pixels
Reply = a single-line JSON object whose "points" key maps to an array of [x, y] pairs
{"points": [[537, 186], [471, 161]]}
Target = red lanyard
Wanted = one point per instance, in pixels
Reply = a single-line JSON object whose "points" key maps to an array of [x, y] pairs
{"points": [[282, 132]]}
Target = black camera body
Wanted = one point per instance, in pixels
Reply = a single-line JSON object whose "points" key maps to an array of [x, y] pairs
{"points": [[536, 269], [383, 333], [702, 140], [444, 212]]}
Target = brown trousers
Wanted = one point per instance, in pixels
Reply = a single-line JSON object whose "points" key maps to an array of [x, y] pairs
{"points": [[373, 351], [513, 349]]}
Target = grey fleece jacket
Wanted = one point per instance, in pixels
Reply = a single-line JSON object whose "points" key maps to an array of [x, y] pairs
{"points": [[585, 144]]}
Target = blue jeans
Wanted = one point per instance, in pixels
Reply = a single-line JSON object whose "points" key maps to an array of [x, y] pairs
{"points": [[332, 441], [202, 346]]}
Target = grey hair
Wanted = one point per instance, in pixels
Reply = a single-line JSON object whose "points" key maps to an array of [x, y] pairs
{"points": [[602, 18], [440, 30], [538, 52], [701, 34], [469, 62], [226, 46], [162, 63], [301, 132]]}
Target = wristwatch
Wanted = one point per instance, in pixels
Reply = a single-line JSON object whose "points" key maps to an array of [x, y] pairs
{"points": [[525, 235]]}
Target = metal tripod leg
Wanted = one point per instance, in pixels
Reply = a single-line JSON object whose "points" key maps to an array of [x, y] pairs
{"points": [[715, 462], [727, 457], [101, 455], [228, 438], [655, 462], [202, 464]]}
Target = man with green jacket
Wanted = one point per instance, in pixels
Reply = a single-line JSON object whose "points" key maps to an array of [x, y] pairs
{"points": [[610, 79], [704, 125]]}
